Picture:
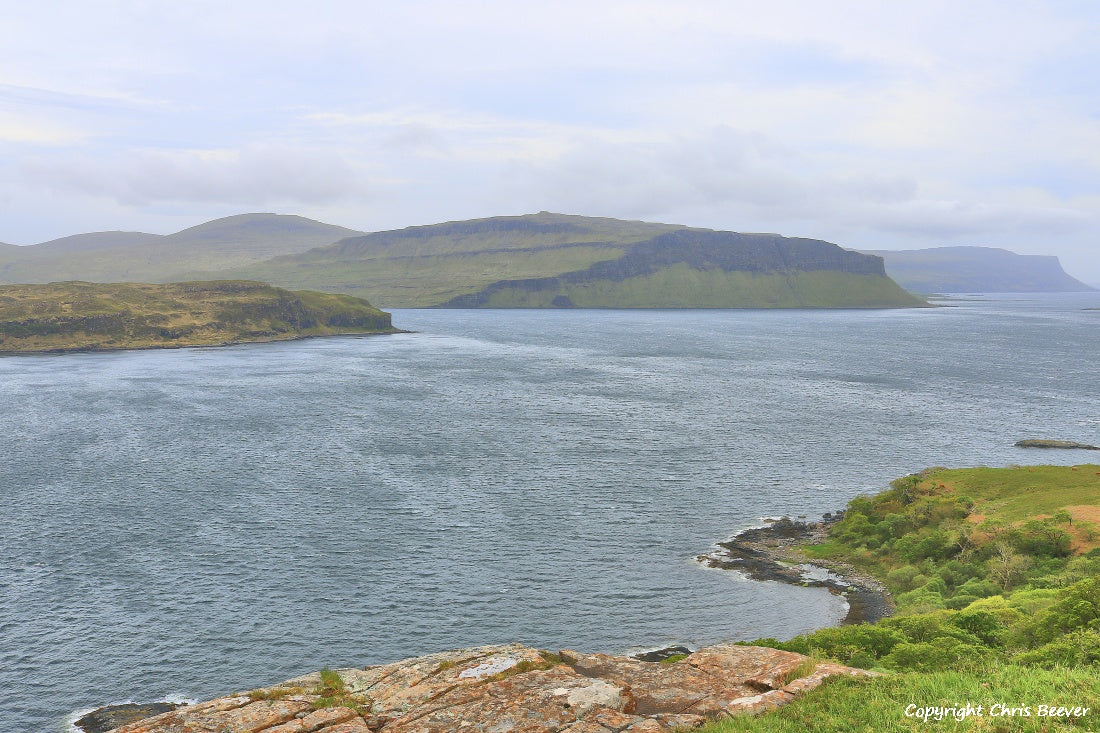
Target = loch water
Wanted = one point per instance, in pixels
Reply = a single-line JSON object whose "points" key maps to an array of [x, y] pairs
{"points": [[198, 521]]}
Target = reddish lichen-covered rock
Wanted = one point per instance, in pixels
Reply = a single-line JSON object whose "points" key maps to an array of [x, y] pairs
{"points": [[515, 689]]}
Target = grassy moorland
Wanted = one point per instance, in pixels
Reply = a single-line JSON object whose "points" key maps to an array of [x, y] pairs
{"points": [[80, 316], [996, 574]]}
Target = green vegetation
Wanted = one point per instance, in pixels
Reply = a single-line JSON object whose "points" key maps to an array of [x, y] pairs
{"points": [[424, 266], [682, 286], [549, 661], [932, 701], [996, 574], [532, 261], [80, 316], [330, 692], [333, 693]]}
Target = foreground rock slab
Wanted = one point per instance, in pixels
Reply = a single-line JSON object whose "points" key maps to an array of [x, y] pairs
{"points": [[514, 688]]}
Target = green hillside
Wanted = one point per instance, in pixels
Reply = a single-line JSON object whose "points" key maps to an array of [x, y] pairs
{"points": [[996, 574], [531, 261], [424, 266], [137, 257], [81, 316], [553, 260]]}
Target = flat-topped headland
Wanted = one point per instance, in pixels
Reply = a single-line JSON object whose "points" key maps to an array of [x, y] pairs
{"points": [[81, 316]]}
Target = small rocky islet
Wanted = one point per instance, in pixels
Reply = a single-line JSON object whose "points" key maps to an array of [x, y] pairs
{"points": [[1046, 443], [512, 688]]}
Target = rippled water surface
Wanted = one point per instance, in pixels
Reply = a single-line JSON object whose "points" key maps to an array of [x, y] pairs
{"points": [[196, 521]]}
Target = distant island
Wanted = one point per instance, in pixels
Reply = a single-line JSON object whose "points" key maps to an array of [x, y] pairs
{"points": [[542, 260], [82, 316], [977, 270]]}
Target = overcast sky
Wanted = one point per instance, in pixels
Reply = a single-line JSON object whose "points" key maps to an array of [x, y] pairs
{"points": [[871, 124]]}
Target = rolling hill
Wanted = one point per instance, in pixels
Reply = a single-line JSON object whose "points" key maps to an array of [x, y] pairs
{"points": [[553, 260], [138, 257], [530, 261], [976, 270]]}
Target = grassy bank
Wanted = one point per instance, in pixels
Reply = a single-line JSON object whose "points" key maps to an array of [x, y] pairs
{"points": [[996, 573]]}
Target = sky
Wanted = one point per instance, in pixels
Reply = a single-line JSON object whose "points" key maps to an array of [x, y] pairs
{"points": [[872, 124]]}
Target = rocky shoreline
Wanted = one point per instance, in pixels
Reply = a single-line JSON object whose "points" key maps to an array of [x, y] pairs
{"points": [[514, 689], [772, 553], [667, 689]]}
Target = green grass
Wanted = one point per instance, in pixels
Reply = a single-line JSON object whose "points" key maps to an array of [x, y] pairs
{"points": [[418, 282], [681, 286], [333, 693], [966, 631], [841, 705], [1020, 492]]}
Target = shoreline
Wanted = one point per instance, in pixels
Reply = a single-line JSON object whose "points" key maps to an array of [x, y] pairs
{"points": [[98, 349], [772, 553]]}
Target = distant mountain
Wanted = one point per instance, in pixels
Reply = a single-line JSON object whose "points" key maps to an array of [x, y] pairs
{"points": [[555, 260], [137, 257], [90, 243], [976, 270]]}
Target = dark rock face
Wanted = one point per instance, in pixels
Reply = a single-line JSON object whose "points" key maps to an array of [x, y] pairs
{"points": [[109, 718], [704, 250], [517, 689], [660, 655], [700, 250]]}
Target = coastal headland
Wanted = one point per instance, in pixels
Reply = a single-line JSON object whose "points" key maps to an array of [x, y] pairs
{"points": [[81, 316], [774, 552]]}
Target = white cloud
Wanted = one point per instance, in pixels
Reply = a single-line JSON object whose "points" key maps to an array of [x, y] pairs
{"points": [[253, 176]]}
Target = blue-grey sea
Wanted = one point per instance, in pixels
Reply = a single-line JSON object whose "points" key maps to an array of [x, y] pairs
{"points": [[187, 523]]}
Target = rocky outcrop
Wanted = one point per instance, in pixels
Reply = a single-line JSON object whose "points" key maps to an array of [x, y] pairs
{"points": [[773, 553], [1042, 443], [515, 688]]}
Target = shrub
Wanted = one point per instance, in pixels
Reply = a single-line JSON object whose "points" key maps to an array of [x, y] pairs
{"points": [[957, 601], [920, 600], [986, 626], [935, 656], [902, 578], [978, 587], [1078, 649]]}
